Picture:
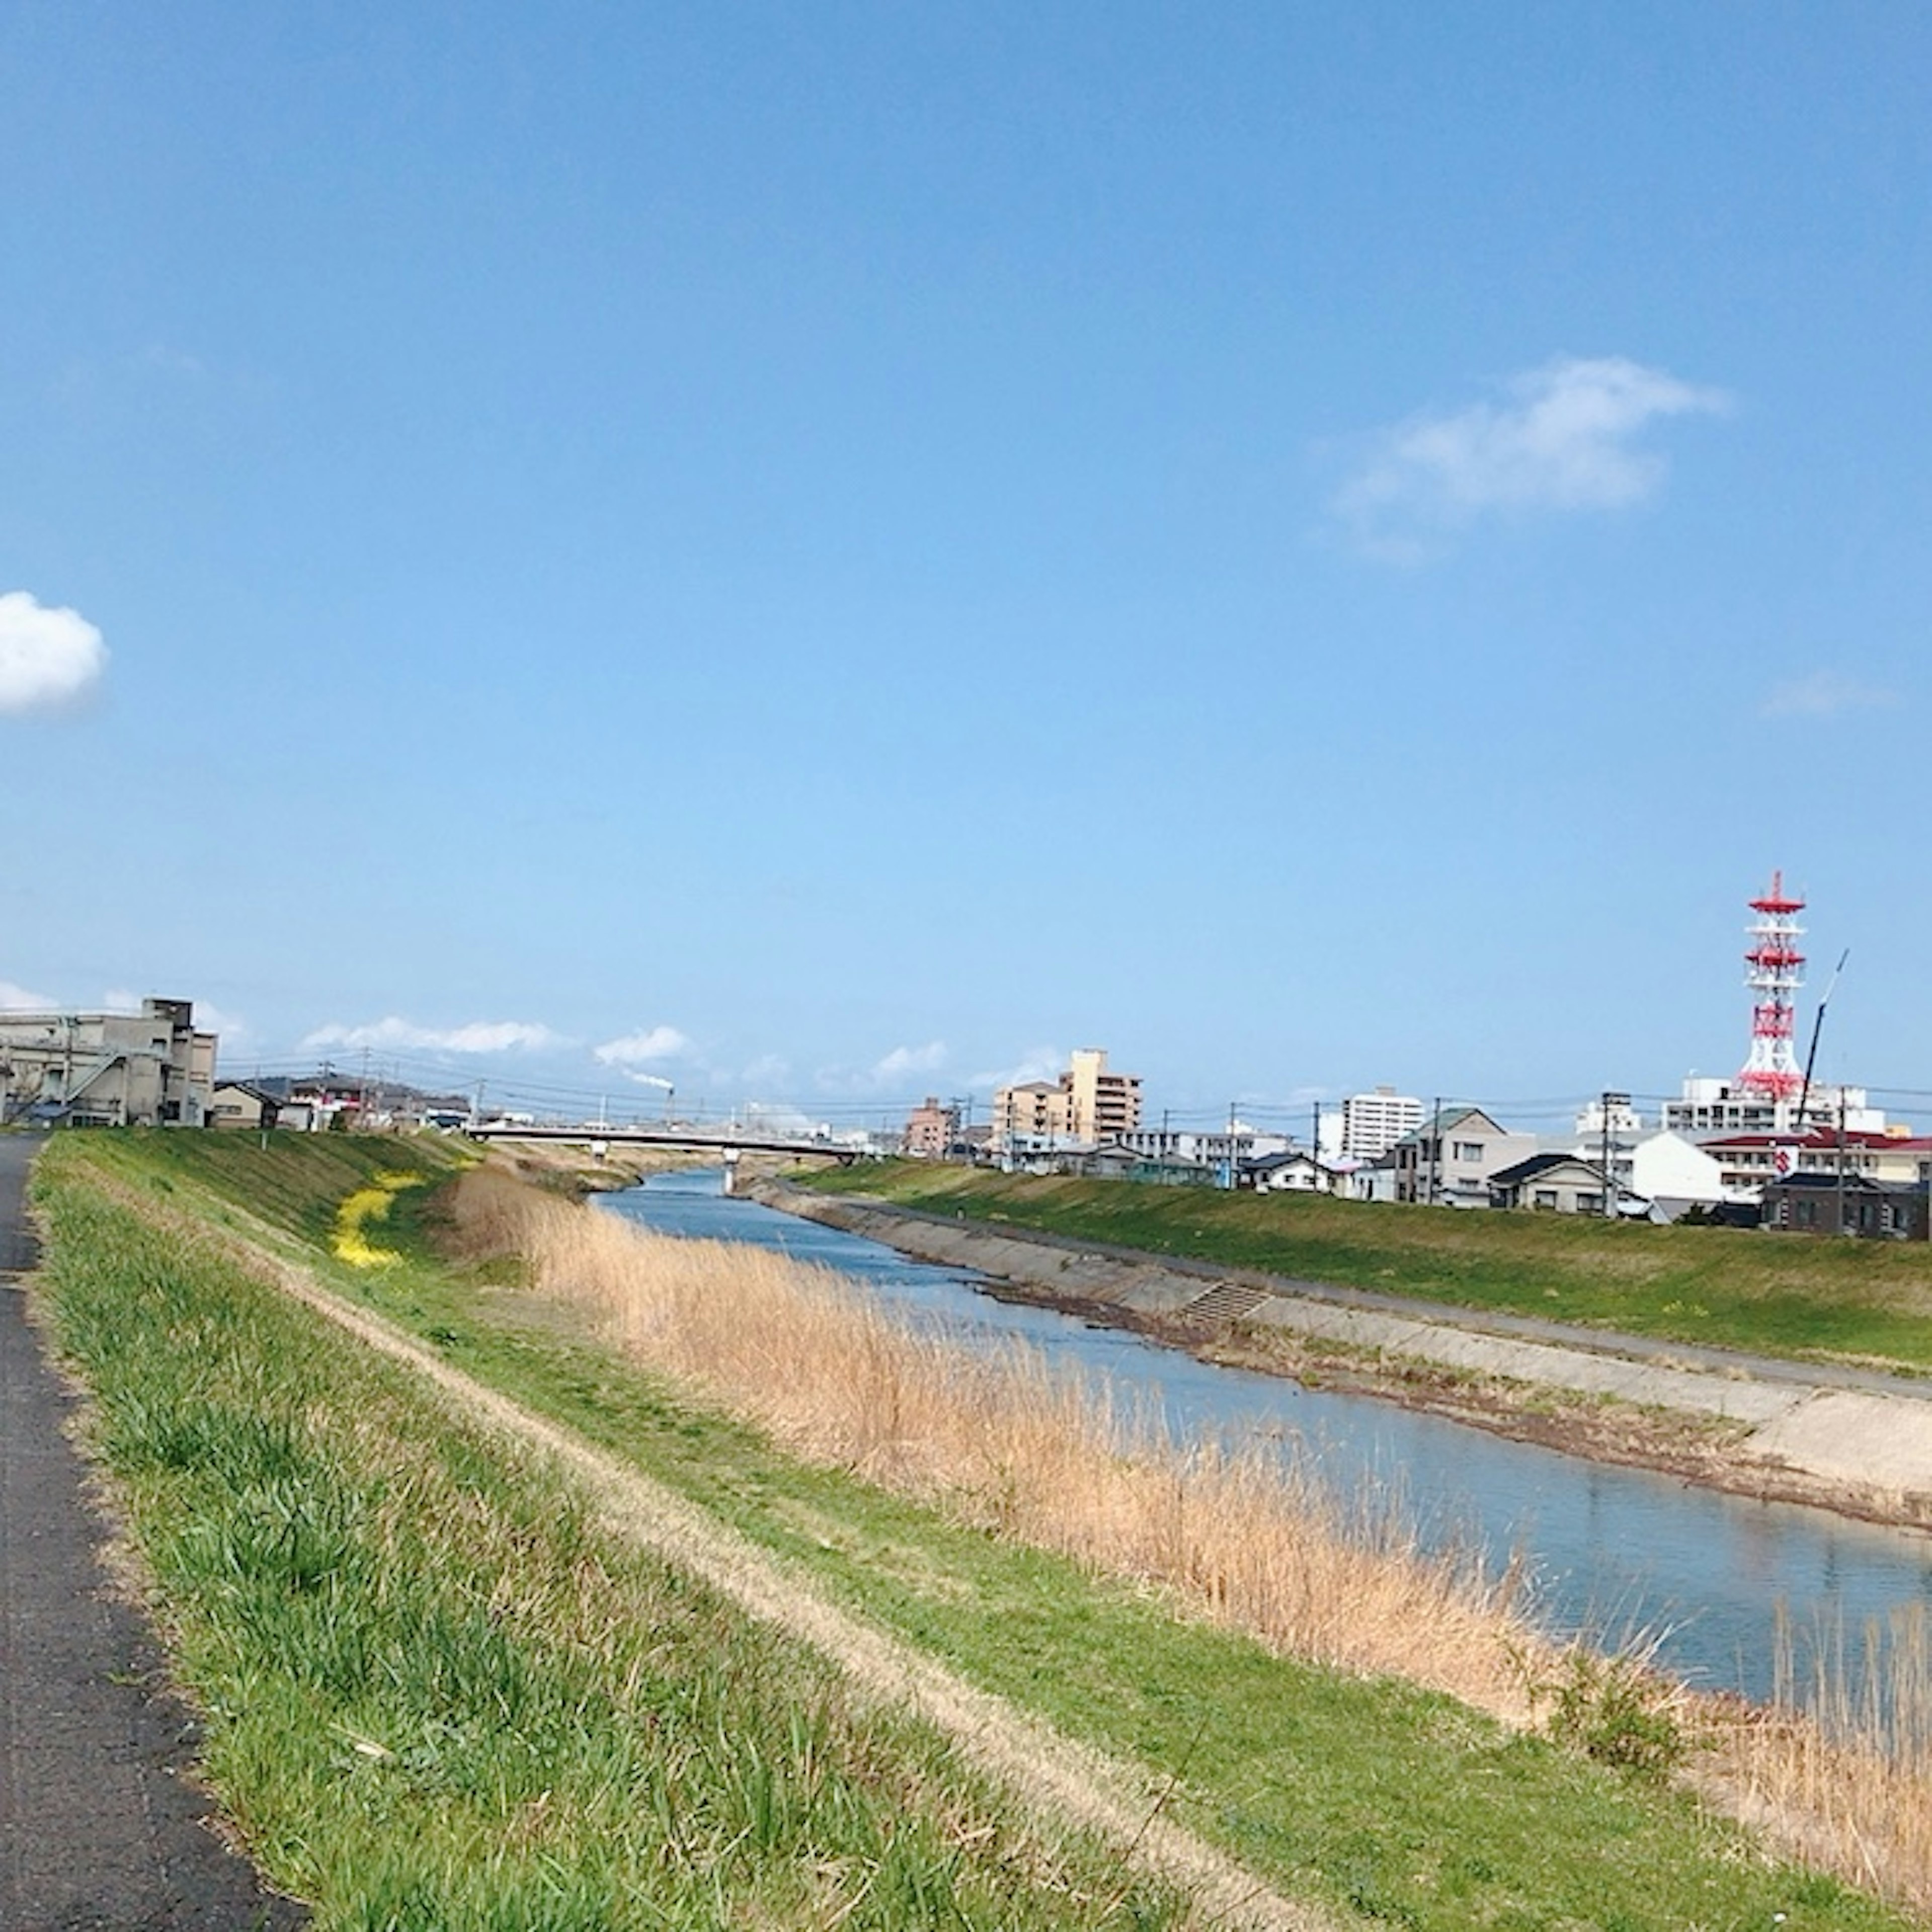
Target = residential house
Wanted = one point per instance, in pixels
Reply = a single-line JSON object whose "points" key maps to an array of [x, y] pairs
{"points": [[235, 1103], [1448, 1161], [1853, 1204], [1295, 1170], [1558, 1184]]}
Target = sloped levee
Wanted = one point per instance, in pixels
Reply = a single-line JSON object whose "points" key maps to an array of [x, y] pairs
{"points": [[1770, 1429]]}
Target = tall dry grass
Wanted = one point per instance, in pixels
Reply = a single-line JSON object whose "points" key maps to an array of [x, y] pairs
{"points": [[1008, 1443], [1844, 1782], [1843, 1760]]}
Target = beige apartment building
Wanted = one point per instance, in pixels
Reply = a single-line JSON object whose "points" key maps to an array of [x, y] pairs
{"points": [[1086, 1105], [148, 1068]]}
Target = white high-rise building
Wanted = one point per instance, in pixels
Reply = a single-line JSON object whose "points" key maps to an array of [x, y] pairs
{"points": [[1371, 1124]]}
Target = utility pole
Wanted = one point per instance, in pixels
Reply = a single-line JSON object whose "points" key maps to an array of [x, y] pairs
{"points": [[1610, 1182], [1841, 1160], [1435, 1148]]}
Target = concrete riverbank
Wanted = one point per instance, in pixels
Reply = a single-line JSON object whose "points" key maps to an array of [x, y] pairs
{"points": [[1849, 1439]]}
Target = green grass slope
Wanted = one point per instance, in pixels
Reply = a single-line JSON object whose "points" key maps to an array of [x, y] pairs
{"points": [[1771, 1294], [437, 1699]]}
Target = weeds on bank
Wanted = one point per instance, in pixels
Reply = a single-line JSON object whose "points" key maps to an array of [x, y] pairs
{"points": [[1395, 1804], [439, 1698], [1249, 1542], [1247, 1537], [1869, 1301]]}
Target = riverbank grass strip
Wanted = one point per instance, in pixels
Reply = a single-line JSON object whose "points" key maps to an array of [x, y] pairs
{"points": [[1394, 1805], [1869, 1303], [440, 1694]]}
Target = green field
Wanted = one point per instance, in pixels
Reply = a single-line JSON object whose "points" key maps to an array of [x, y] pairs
{"points": [[1778, 1294], [437, 1696]]}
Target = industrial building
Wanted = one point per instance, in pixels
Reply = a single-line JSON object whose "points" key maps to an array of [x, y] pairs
{"points": [[104, 1070]]}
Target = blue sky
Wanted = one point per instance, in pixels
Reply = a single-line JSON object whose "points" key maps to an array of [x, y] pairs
{"points": [[835, 552]]}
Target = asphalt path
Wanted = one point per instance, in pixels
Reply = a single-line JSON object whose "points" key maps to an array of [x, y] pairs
{"points": [[102, 1824]]}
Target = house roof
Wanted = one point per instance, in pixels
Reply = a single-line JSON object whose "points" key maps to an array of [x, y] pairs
{"points": [[1808, 1183], [1447, 1122], [1268, 1163], [1825, 1139], [1538, 1165]]}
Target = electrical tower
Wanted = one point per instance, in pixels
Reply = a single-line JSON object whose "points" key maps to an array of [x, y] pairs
{"points": [[1777, 971]]}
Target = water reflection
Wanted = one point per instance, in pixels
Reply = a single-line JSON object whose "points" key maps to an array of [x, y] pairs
{"points": [[1610, 1551]]}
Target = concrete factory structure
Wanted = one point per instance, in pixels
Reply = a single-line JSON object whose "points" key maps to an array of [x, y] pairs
{"points": [[145, 1069]]}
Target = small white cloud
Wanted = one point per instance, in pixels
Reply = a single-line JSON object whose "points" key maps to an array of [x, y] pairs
{"points": [[892, 1070], [1824, 694], [479, 1036], [208, 1018], [49, 656], [905, 1060], [17, 999], [119, 1000], [657, 1042], [1041, 1062], [1561, 437]]}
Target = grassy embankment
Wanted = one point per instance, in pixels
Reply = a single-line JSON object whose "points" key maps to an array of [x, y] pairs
{"points": [[1855, 1301], [438, 1697]]}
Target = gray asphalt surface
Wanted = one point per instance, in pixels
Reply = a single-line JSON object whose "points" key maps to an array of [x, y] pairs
{"points": [[101, 1824]]}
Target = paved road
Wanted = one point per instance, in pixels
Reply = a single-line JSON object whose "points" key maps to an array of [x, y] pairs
{"points": [[101, 1826]]}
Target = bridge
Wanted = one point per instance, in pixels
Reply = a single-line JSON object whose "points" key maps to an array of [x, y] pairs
{"points": [[727, 1143]]}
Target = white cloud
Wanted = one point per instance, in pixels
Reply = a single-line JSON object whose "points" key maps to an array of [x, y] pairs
{"points": [[656, 1080], [479, 1036], [892, 1071], [1824, 694], [17, 999], [1561, 437], [649, 1043], [1040, 1063], [119, 1000], [49, 656], [905, 1060], [208, 1018]]}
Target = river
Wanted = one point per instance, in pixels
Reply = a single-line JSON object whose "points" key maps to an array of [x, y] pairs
{"points": [[1610, 1552]]}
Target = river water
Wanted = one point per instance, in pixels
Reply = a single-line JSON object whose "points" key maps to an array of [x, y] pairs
{"points": [[1610, 1552]]}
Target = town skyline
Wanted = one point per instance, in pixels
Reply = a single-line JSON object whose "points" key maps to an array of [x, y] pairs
{"points": [[826, 561]]}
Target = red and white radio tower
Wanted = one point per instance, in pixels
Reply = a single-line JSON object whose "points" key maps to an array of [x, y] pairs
{"points": [[1777, 972]]}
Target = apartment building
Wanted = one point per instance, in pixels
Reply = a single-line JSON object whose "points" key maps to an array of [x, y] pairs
{"points": [[1371, 1124], [1086, 1105], [931, 1130]]}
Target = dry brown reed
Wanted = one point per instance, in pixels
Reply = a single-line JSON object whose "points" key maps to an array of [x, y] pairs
{"points": [[1252, 1539], [1842, 1763]]}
